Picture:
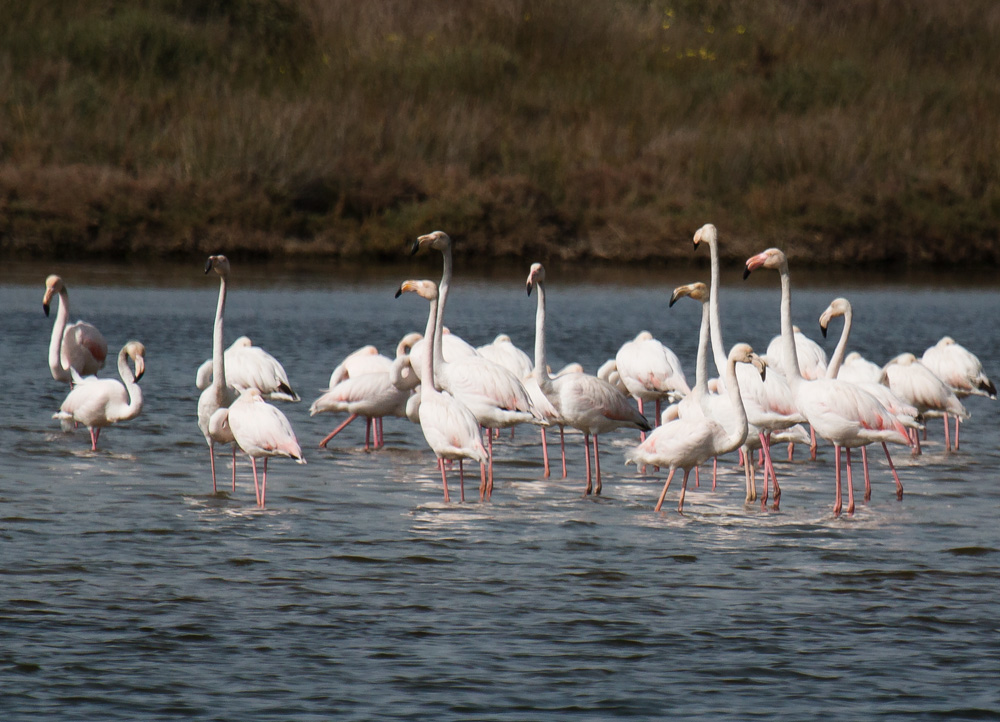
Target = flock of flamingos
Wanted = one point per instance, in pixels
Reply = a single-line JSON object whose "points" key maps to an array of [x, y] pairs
{"points": [[455, 391]]}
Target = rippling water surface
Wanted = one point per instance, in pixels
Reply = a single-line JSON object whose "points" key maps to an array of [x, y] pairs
{"points": [[130, 592]]}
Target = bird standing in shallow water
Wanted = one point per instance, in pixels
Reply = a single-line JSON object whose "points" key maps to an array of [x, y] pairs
{"points": [[76, 347]]}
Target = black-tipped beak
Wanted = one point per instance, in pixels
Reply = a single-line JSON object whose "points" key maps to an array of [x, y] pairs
{"points": [[763, 374], [673, 300], [823, 329], [746, 273], [527, 287], [208, 265], [45, 307], [399, 292], [414, 248]]}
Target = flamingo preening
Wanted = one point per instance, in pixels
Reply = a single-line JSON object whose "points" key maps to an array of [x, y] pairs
{"points": [[75, 346]]}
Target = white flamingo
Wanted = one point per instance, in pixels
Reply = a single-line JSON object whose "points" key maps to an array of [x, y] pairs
{"points": [[857, 369], [961, 370], [249, 366], [918, 386], [694, 439], [450, 428], [650, 371], [812, 365], [219, 395], [582, 401], [261, 430], [838, 411], [77, 346], [503, 351], [900, 409], [97, 403]]}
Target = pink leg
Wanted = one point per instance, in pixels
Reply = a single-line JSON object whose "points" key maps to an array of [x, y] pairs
{"points": [[94, 433], [899, 485], [838, 503], [715, 471], [234, 468], [642, 434], [444, 479], [256, 483], [545, 452], [684, 486], [263, 485], [336, 431], [663, 493], [562, 447], [864, 465], [947, 436], [957, 422], [597, 466], [791, 450], [812, 443], [656, 421], [482, 480], [369, 423], [850, 484], [765, 440], [697, 478], [211, 456], [489, 478], [461, 480], [916, 442], [586, 448]]}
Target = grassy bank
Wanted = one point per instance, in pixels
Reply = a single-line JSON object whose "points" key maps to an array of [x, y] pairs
{"points": [[846, 131]]}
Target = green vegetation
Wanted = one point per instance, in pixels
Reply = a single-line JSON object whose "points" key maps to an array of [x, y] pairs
{"points": [[854, 130]]}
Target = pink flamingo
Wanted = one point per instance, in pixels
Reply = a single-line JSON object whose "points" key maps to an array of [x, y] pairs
{"points": [[76, 347], [840, 412], [261, 430], [97, 403], [249, 366], [694, 439], [917, 385], [582, 401], [651, 372], [961, 370], [219, 395], [449, 427]]}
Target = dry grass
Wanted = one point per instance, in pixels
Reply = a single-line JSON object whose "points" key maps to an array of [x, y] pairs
{"points": [[853, 130]]}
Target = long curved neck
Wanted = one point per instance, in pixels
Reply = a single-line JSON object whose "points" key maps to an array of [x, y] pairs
{"points": [[541, 370], [427, 386], [218, 352], [131, 388], [739, 434], [701, 369], [838, 353], [443, 287], [59, 372], [787, 332], [718, 349]]}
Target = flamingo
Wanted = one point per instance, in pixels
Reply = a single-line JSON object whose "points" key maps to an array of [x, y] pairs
{"points": [[896, 406], [961, 370], [372, 394], [261, 430], [249, 366], [650, 371], [857, 369], [503, 351], [917, 385], [97, 403], [768, 403], [582, 401], [840, 412], [493, 394], [78, 346], [219, 395], [693, 439], [812, 365], [450, 428]]}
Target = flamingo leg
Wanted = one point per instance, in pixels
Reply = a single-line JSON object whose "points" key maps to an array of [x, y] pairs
{"points": [[211, 456], [864, 464], [916, 442], [642, 434], [256, 483], [684, 486], [489, 478], [562, 447], [663, 493], [697, 478], [597, 466], [957, 422], [656, 421], [545, 452], [234, 468], [336, 431], [444, 479], [586, 448], [947, 436], [838, 503], [812, 443], [715, 471], [263, 485], [368, 431], [899, 485], [791, 450], [482, 480], [461, 481], [850, 484], [770, 466], [95, 431]]}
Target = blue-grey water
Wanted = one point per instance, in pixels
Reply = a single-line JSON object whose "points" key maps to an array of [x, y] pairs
{"points": [[130, 592]]}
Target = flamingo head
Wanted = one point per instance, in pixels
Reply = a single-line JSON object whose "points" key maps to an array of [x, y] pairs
{"points": [[424, 289], [772, 258], [219, 263], [698, 291], [946, 341], [406, 343], [743, 353], [241, 342], [136, 351], [53, 285], [706, 233], [536, 275], [837, 307], [438, 240]]}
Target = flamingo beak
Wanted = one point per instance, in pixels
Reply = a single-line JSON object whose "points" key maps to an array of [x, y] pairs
{"points": [[528, 286], [415, 247], [140, 367], [674, 296], [208, 265], [45, 307], [399, 292]]}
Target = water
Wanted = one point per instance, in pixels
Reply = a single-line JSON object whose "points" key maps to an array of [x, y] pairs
{"points": [[130, 592]]}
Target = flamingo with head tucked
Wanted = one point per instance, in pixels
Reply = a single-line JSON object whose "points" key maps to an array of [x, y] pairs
{"points": [[77, 346], [249, 366], [961, 370], [97, 403], [916, 384]]}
